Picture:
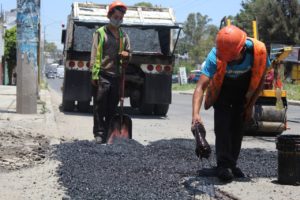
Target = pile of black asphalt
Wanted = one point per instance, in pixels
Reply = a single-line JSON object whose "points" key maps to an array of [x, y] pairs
{"points": [[165, 169]]}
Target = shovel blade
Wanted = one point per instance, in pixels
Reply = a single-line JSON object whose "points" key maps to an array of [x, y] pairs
{"points": [[118, 130]]}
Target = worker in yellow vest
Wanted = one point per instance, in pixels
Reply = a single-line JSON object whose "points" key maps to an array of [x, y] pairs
{"points": [[233, 77], [110, 51]]}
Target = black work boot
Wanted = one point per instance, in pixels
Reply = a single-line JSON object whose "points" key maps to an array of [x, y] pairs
{"points": [[98, 140], [225, 174], [237, 172]]}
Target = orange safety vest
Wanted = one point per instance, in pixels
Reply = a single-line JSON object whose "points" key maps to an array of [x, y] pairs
{"points": [[257, 76]]}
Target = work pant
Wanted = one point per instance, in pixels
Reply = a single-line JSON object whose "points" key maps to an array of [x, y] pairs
{"points": [[229, 134], [106, 99], [228, 120]]}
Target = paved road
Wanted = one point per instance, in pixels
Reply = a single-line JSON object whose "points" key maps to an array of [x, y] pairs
{"points": [[180, 111]]}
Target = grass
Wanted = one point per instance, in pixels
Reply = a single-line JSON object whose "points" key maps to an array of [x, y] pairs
{"points": [[43, 84], [178, 87], [293, 90]]}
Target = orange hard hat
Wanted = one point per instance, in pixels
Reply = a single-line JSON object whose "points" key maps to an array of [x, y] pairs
{"points": [[230, 41], [116, 4]]}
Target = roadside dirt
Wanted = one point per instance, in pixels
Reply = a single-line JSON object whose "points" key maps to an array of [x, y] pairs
{"points": [[21, 149]]}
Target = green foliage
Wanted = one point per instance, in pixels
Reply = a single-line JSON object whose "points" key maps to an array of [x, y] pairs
{"points": [[293, 91], [198, 38], [187, 64], [278, 20], [50, 47], [144, 4], [195, 27], [10, 50], [185, 87]]}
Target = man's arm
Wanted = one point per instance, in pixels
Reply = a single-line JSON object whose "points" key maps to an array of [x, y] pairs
{"points": [[94, 57], [201, 86], [126, 54], [94, 48]]}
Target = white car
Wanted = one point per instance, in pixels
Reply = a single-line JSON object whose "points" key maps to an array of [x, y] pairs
{"points": [[60, 71]]}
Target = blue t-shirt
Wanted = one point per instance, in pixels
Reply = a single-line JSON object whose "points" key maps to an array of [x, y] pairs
{"points": [[232, 71]]}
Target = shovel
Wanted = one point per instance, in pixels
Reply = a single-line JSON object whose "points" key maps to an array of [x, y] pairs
{"points": [[121, 124]]}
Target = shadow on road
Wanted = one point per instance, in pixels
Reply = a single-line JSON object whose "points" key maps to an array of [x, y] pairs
{"points": [[7, 111], [165, 169], [133, 113]]}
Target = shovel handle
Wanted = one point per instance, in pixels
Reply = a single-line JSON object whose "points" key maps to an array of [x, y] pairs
{"points": [[122, 89]]}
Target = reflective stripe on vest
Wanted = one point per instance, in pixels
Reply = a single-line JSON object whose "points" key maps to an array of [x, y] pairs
{"points": [[257, 74], [98, 61]]}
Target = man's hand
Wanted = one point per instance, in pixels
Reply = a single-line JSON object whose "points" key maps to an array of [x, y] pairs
{"points": [[196, 119], [95, 83], [124, 55], [248, 114]]}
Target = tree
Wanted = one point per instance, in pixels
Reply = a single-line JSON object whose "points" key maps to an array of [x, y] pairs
{"points": [[198, 37], [52, 51], [195, 26], [50, 47], [278, 20], [10, 50], [144, 4]]}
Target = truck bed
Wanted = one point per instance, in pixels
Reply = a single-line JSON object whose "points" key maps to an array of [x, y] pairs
{"points": [[141, 16]]}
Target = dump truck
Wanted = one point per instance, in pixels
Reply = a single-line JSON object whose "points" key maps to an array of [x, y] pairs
{"points": [[153, 34]]}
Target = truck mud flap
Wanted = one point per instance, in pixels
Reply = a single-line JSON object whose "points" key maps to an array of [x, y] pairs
{"points": [[77, 86], [157, 89]]}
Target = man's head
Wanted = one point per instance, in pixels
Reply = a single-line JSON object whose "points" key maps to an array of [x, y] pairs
{"points": [[230, 43], [116, 12]]}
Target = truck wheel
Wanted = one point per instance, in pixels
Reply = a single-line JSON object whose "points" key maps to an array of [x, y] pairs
{"points": [[135, 100], [68, 106], [161, 109], [146, 109], [83, 106]]}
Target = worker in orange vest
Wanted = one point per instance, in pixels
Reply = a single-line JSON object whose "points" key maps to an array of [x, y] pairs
{"points": [[232, 77]]}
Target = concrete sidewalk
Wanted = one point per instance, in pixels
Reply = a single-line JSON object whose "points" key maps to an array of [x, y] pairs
{"points": [[190, 92], [8, 104], [7, 99]]}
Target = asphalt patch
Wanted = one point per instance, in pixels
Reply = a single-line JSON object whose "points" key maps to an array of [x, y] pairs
{"points": [[166, 169]]}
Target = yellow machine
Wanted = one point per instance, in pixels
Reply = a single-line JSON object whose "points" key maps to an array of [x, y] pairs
{"points": [[269, 111]]}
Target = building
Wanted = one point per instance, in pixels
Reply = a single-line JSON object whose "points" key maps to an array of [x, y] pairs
{"points": [[7, 21]]}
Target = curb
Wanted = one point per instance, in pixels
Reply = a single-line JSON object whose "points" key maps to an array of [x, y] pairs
{"points": [[50, 115], [293, 102]]}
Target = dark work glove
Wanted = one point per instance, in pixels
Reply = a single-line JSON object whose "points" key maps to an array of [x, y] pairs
{"points": [[202, 147]]}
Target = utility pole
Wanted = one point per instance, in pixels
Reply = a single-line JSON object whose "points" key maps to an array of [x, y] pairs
{"points": [[28, 18]]}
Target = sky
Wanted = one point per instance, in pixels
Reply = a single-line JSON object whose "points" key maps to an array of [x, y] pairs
{"points": [[54, 12]]}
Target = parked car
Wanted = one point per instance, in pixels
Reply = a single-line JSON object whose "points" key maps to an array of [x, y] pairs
{"points": [[60, 71], [194, 76], [50, 75], [175, 78]]}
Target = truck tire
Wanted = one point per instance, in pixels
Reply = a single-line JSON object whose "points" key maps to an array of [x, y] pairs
{"points": [[146, 109], [161, 109], [83, 106], [135, 99], [68, 106]]}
